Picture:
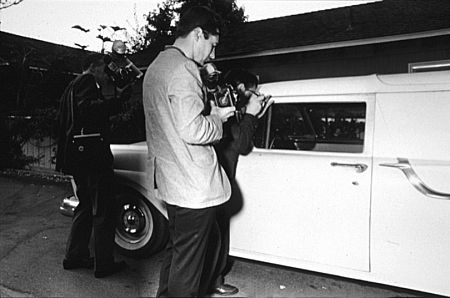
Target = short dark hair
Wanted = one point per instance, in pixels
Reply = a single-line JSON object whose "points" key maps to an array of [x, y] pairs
{"points": [[237, 76], [93, 60], [199, 16]]}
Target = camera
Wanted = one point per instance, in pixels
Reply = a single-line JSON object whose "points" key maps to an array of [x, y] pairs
{"points": [[224, 94], [226, 97], [119, 68], [230, 90]]}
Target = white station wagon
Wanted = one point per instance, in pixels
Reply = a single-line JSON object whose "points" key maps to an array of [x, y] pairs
{"points": [[348, 176]]}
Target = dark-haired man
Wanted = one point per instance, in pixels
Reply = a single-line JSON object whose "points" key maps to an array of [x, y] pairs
{"points": [[181, 159], [83, 109], [237, 140]]}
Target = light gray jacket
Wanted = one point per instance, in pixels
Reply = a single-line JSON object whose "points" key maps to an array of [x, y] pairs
{"points": [[181, 157]]}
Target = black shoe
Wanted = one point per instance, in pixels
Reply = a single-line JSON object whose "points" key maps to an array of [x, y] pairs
{"points": [[225, 289], [110, 269], [69, 264]]}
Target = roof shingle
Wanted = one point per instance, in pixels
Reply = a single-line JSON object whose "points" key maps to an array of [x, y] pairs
{"points": [[372, 20]]}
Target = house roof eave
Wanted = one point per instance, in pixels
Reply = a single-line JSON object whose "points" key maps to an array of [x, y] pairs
{"points": [[340, 44]]}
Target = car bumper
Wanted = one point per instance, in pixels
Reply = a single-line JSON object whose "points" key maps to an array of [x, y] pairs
{"points": [[68, 205]]}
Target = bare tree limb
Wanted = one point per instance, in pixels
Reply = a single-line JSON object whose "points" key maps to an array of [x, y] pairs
{"points": [[8, 3]]}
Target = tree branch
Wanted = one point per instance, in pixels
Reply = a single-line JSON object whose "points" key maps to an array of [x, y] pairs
{"points": [[8, 3]]}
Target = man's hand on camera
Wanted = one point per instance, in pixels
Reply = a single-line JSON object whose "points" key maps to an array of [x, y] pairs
{"points": [[266, 104], [223, 113], [255, 104]]}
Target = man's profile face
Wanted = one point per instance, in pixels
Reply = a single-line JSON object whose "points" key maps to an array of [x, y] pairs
{"points": [[205, 46]]}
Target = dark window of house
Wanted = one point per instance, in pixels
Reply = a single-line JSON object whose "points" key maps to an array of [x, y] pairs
{"points": [[326, 127]]}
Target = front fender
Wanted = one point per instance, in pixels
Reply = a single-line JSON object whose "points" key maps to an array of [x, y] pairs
{"points": [[138, 182]]}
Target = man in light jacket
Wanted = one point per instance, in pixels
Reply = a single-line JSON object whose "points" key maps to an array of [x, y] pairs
{"points": [[182, 161]]}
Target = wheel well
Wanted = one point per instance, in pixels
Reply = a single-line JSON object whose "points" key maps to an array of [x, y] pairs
{"points": [[127, 189], [126, 185]]}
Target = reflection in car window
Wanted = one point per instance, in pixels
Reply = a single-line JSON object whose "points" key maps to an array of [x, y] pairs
{"points": [[327, 127]]}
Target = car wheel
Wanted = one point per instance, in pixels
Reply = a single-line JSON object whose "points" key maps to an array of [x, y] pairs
{"points": [[141, 230]]}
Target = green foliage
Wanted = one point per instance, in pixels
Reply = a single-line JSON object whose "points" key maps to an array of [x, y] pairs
{"points": [[232, 15], [29, 105], [161, 26], [129, 126], [161, 23], [11, 155], [16, 131], [42, 124], [22, 126], [8, 3]]}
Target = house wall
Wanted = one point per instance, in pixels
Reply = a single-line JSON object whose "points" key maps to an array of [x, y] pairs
{"points": [[382, 58]]}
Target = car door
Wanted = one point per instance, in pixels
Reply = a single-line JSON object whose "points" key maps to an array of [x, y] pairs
{"points": [[303, 194]]}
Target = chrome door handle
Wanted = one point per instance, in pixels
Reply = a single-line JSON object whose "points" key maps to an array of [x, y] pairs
{"points": [[360, 167]]}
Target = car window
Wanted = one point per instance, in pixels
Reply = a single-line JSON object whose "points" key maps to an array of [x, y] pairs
{"points": [[326, 127]]}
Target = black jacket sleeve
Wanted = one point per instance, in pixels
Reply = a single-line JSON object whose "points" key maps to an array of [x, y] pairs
{"points": [[242, 133]]}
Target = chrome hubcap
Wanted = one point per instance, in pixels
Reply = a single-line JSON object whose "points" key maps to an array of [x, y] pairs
{"points": [[133, 219]]}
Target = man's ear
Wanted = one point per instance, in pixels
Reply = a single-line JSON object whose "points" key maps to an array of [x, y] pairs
{"points": [[240, 87], [197, 33]]}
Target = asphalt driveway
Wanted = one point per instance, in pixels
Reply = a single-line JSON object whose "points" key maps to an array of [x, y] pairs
{"points": [[33, 235]]}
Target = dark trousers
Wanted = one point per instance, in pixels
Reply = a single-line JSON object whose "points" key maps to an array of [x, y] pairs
{"points": [[95, 211], [192, 247], [221, 267]]}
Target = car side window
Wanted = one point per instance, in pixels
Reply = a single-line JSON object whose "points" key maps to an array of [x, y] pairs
{"points": [[325, 127]]}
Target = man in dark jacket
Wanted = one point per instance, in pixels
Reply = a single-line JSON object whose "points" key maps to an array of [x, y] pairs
{"points": [[84, 110], [237, 140]]}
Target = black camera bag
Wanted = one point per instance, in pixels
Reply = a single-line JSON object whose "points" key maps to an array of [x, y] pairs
{"points": [[88, 149]]}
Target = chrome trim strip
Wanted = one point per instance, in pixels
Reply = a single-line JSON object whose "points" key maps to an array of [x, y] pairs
{"points": [[404, 165]]}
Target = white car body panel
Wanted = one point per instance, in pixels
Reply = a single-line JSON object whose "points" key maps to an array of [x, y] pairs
{"points": [[284, 191], [376, 225], [130, 170], [409, 240]]}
